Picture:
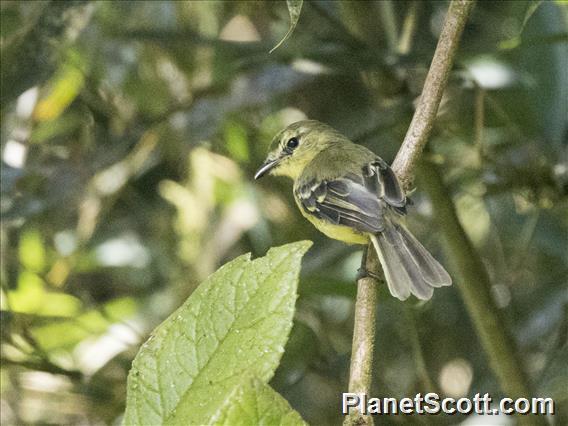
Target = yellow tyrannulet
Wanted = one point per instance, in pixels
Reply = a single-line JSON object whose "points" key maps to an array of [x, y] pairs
{"points": [[350, 194]]}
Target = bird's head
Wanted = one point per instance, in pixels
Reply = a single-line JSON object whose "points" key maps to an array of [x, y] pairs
{"points": [[296, 146]]}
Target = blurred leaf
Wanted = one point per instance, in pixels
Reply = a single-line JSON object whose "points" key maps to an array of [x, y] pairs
{"points": [[28, 297], [59, 304], [236, 141], [235, 323], [515, 41], [118, 309], [473, 212], [256, 403], [32, 251], [67, 333], [531, 9], [31, 297], [32, 52], [63, 124], [294, 9], [64, 88]]}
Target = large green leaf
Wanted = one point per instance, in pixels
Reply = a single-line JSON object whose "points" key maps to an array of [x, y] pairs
{"points": [[235, 324], [256, 403]]}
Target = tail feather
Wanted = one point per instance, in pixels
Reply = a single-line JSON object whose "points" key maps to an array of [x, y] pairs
{"points": [[396, 276], [409, 268], [432, 272]]}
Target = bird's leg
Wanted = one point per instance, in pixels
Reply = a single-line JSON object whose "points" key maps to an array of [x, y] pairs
{"points": [[363, 272]]}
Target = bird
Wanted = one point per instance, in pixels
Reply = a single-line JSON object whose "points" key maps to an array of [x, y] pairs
{"points": [[352, 195]]}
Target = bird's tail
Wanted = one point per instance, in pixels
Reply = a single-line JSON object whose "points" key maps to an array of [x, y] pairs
{"points": [[408, 266]]}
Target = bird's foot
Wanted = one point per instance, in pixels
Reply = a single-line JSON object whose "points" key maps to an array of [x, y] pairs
{"points": [[365, 273]]}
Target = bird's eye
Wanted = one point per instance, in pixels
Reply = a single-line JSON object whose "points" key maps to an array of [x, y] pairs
{"points": [[292, 143]]}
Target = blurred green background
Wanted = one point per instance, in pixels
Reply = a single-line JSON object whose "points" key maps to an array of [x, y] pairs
{"points": [[130, 133]]}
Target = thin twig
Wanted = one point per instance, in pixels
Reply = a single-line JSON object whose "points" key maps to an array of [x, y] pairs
{"points": [[360, 378], [408, 28], [425, 115], [388, 20]]}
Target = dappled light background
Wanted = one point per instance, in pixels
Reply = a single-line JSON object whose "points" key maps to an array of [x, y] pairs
{"points": [[130, 135]]}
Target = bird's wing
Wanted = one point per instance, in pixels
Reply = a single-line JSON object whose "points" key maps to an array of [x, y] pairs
{"points": [[355, 200], [380, 179]]}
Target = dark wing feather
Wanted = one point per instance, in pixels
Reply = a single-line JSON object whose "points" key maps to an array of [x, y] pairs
{"points": [[357, 201], [387, 186]]}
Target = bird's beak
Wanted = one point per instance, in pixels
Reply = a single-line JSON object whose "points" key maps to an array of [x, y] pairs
{"points": [[268, 165]]}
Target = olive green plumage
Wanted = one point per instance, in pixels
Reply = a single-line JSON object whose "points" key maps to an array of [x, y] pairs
{"points": [[350, 194]]}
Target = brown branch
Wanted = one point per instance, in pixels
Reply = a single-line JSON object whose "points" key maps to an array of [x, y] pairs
{"points": [[474, 283], [361, 368], [425, 115], [360, 378]]}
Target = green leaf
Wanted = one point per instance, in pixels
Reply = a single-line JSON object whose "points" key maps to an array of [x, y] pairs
{"points": [[256, 403], [32, 250], [531, 9], [235, 324], [64, 87], [515, 41], [236, 141], [294, 8]]}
